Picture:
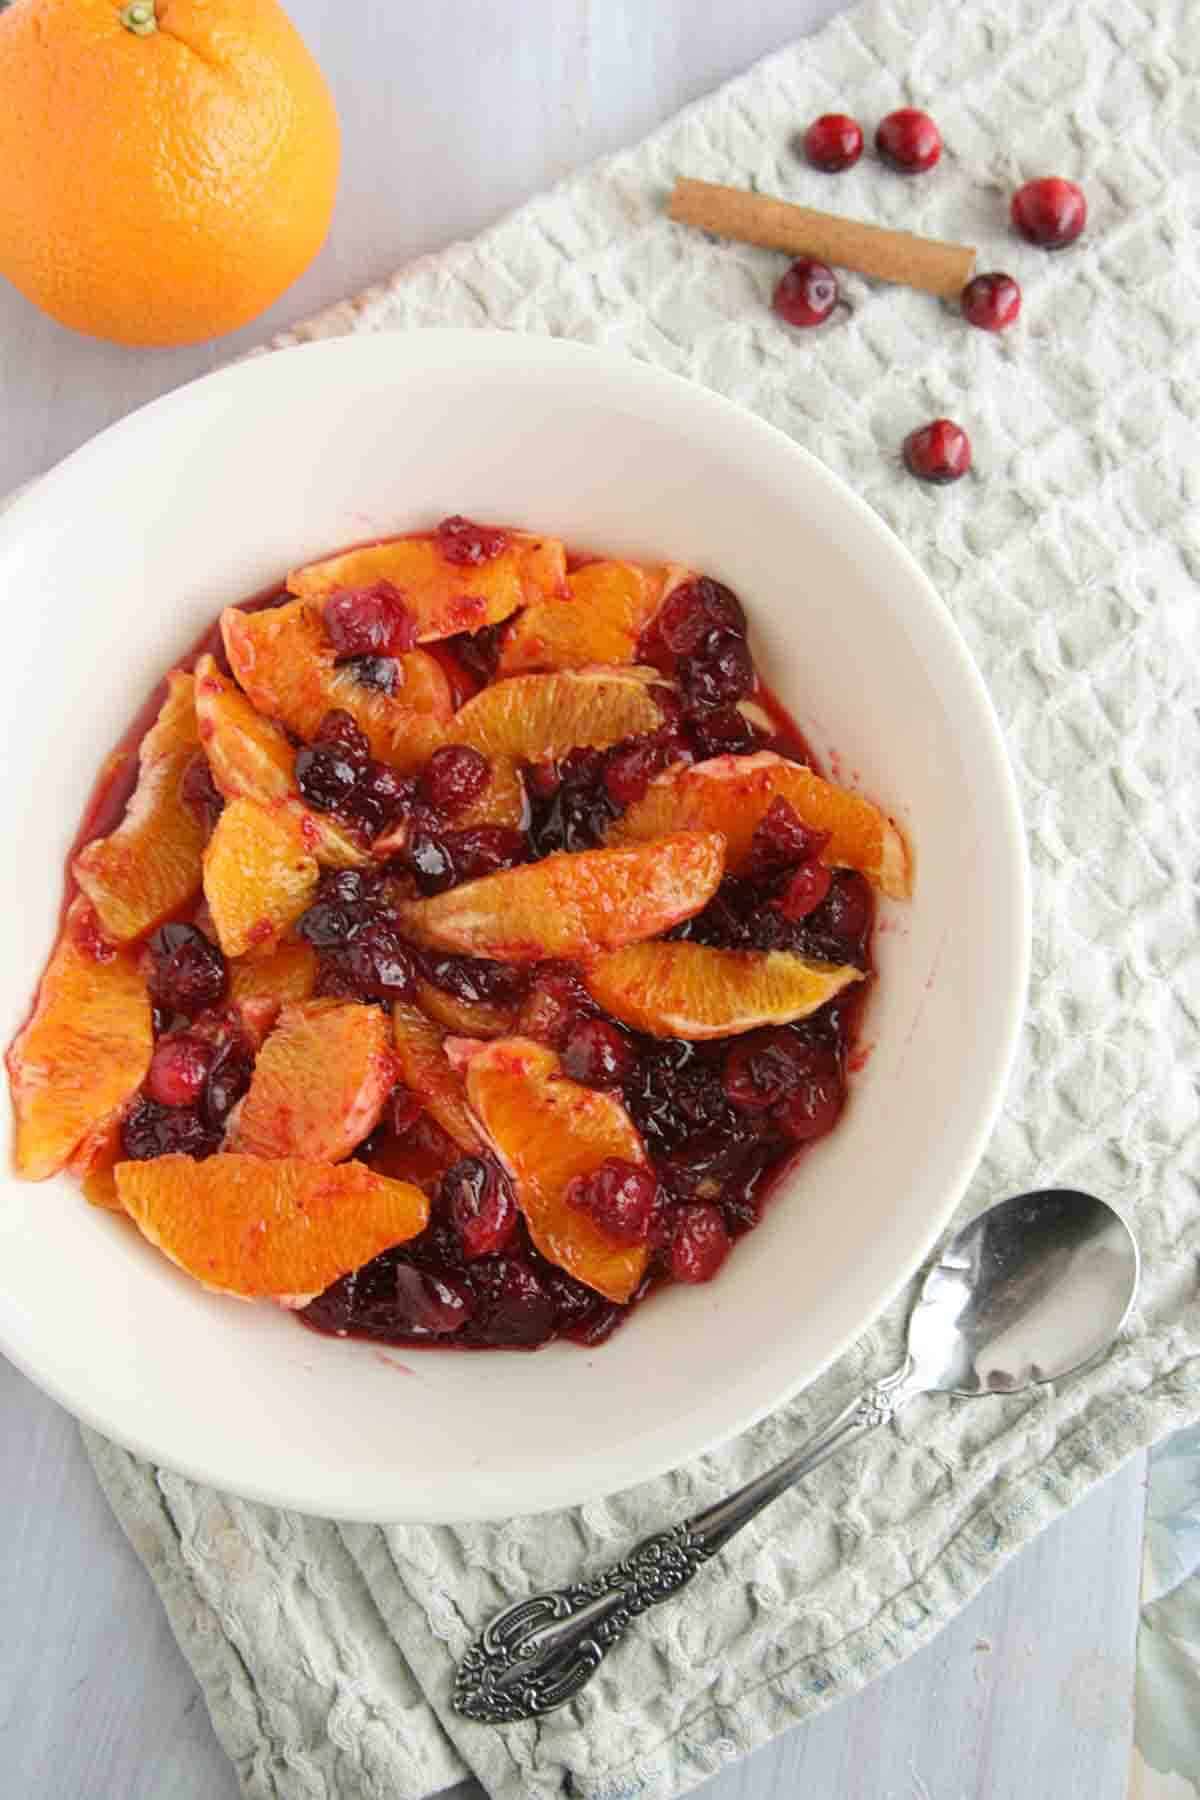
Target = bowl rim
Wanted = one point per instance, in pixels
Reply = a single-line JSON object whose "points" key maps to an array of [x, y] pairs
{"points": [[408, 352]]}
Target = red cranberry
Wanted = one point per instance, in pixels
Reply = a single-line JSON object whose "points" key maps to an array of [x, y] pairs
{"points": [[598, 1054], [440, 860], [325, 777], [454, 776], [762, 1067], [178, 1069], [909, 141], [517, 1306], [430, 1303], [722, 731], [805, 891], [694, 609], [807, 293], [700, 1242], [378, 796], [462, 541], [150, 1129], [554, 1006], [845, 915], [781, 838], [812, 1106], [199, 791], [378, 963], [327, 924], [1050, 213], [188, 971], [477, 652], [721, 670], [939, 452], [339, 731], [991, 302], [476, 1194], [474, 978], [228, 1079], [833, 142], [370, 621], [619, 1197], [381, 673]]}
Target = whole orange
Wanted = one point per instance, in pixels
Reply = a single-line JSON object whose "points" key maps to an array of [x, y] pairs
{"points": [[167, 167]]}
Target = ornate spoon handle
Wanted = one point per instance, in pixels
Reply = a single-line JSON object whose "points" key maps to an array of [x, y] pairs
{"points": [[538, 1653]]}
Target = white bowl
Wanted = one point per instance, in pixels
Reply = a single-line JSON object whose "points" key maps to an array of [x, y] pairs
{"points": [[112, 565]]}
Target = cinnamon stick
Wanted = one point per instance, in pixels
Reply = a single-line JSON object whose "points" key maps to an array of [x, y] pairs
{"points": [[927, 263]]}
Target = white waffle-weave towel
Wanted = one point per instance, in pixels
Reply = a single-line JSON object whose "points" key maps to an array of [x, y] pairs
{"points": [[1069, 559]]}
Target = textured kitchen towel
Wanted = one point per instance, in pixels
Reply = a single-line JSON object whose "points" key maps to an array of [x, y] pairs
{"points": [[1069, 559]]}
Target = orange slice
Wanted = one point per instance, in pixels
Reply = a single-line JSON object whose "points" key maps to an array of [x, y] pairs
{"points": [[690, 991], [266, 983], [251, 759], [319, 1083], [258, 876], [531, 717], [85, 1051], [263, 1229], [425, 1069], [285, 663], [732, 794], [443, 597], [149, 867], [572, 904], [608, 605], [464, 1018], [546, 1131], [94, 1159]]}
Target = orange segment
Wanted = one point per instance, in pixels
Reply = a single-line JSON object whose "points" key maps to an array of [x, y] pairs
{"points": [[319, 1083], [547, 1130], [258, 876], [443, 597], [732, 794], [425, 1069], [532, 717], [465, 1018], [600, 621], [285, 663], [690, 991], [572, 904], [84, 1052], [251, 759], [262, 1229], [265, 983], [149, 867]]}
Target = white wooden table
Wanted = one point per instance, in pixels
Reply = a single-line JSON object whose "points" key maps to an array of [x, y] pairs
{"points": [[455, 111]]}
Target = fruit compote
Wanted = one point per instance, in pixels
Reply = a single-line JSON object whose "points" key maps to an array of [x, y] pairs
{"points": [[494, 883]]}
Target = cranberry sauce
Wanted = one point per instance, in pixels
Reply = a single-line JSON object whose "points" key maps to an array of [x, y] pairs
{"points": [[721, 1120]]}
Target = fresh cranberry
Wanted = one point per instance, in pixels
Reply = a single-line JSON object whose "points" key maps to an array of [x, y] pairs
{"points": [[150, 1129], [721, 670], [440, 860], [228, 1079], [805, 891], [339, 730], [428, 1303], [378, 963], [619, 1197], [939, 452], [781, 839], [909, 141], [598, 1054], [328, 924], [556, 1004], [578, 1309], [378, 797], [695, 608], [631, 767], [188, 971], [991, 302], [1050, 212], [833, 142], [462, 541], [160, 1020], [762, 1067], [478, 652], [475, 979], [722, 731], [325, 777], [706, 1160], [199, 791], [571, 809], [370, 621], [806, 293], [178, 1069], [517, 1306], [675, 1094], [815, 1100], [381, 673], [479, 1200], [700, 1242], [844, 917], [455, 775]]}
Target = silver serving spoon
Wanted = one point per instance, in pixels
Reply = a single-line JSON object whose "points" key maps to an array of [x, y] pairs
{"points": [[1029, 1291]]}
